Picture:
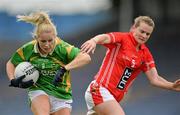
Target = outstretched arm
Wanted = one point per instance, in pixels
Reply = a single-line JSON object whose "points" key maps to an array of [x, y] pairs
{"points": [[159, 81], [90, 45], [80, 60]]}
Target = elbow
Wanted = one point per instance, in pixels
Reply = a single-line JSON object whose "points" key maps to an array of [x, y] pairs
{"points": [[154, 81], [87, 58]]}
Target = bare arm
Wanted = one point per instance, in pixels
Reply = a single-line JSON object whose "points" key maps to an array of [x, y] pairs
{"points": [[90, 45], [10, 68], [159, 81], [102, 39], [80, 60]]}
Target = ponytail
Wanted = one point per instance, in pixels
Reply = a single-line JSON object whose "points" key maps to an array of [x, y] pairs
{"points": [[41, 20]]}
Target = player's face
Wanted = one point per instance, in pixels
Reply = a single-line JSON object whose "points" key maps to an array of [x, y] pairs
{"points": [[142, 32], [46, 42]]}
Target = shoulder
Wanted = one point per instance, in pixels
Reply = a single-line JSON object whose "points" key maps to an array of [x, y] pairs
{"points": [[64, 47], [29, 44], [144, 47], [61, 43], [117, 34], [24, 52], [146, 50]]}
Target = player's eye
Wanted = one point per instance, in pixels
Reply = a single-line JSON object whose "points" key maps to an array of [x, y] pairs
{"points": [[43, 41], [51, 40]]}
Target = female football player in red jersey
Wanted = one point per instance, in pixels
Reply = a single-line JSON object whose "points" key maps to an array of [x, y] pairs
{"points": [[126, 57]]}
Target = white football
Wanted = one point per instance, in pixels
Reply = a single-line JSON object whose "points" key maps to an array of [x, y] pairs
{"points": [[27, 69]]}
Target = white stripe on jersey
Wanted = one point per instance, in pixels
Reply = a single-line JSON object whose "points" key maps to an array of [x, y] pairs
{"points": [[112, 65]]}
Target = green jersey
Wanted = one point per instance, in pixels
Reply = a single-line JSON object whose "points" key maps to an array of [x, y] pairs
{"points": [[47, 66]]}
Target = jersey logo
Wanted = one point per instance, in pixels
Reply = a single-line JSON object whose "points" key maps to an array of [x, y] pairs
{"points": [[126, 75], [133, 63]]}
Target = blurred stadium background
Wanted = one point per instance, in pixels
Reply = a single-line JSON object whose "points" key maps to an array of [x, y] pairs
{"points": [[79, 20]]}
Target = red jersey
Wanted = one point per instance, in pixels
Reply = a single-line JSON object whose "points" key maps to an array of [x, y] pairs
{"points": [[122, 63]]}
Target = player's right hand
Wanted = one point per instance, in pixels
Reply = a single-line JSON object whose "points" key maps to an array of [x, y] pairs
{"points": [[88, 46], [17, 82]]}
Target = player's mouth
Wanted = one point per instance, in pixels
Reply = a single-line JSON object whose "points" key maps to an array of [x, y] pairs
{"points": [[142, 39]]}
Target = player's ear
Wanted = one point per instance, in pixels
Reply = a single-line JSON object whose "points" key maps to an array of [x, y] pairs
{"points": [[132, 28], [34, 36]]}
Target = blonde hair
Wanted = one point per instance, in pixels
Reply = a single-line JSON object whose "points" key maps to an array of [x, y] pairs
{"points": [[145, 19], [41, 20]]}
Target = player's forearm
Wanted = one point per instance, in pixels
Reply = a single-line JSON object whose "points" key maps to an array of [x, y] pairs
{"points": [[157, 80], [81, 60], [163, 83], [10, 70], [102, 39]]}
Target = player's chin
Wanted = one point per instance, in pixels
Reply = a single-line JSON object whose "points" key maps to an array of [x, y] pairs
{"points": [[47, 50], [142, 41]]}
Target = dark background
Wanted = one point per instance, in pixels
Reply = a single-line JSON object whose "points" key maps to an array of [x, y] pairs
{"points": [[142, 98]]}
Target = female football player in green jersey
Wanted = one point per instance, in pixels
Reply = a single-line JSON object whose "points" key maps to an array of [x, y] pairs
{"points": [[53, 57]]}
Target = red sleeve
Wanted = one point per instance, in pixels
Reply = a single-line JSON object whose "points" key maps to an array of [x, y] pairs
{"points": [[148, 61], [116, 37]]}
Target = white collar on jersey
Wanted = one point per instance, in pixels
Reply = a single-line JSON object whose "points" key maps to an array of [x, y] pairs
{"points": [[36, 49]]}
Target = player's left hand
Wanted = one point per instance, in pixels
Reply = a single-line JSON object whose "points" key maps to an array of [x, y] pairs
{"points": [[59, 75], [176, 85]]}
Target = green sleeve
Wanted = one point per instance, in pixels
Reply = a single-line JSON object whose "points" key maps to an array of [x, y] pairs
{"points": [[73, 53], [16, 58], [22, 54]]}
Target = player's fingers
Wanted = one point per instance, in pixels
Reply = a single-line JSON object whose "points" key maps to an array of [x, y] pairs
{"points": [[177, 81], [83, 49], [90, 49], [21, 77], [83, 45], [86, 47], [93, 50]]}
